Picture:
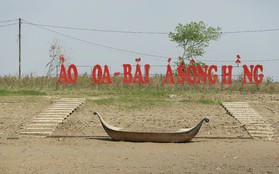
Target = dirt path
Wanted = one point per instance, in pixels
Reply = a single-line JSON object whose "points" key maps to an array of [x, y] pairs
{"points": [[86, 155]]}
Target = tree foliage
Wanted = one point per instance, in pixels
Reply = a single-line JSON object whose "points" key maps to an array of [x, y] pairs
{"points": [[194, 38]]}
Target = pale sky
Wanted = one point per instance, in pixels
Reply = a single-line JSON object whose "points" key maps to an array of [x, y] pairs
{"points": [[144, 16]]}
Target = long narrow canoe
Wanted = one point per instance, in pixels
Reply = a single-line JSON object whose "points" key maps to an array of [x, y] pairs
{"points": [[180, 136]]}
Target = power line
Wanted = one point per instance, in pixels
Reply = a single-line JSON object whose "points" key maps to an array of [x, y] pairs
{"points": [[100, 45], [142, 32], [261, 60], [250, 31], [5, 21], [99, 30], [6, 25], [138, 53], [129, 32], [232, 61]]}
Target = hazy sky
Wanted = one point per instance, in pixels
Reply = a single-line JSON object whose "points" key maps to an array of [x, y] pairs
{"points": [[143, 15]]}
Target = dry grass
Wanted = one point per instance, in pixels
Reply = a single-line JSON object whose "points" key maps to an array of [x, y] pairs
{"points": [[85, 85]]}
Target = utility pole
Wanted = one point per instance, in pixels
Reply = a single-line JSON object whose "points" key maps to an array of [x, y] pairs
{"points": [[19, 48]]}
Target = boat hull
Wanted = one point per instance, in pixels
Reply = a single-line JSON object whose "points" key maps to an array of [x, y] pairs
{"points": [[160, 137]]}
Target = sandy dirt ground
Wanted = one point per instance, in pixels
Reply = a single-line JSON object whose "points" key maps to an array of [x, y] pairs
{"points": [[80, 145]]}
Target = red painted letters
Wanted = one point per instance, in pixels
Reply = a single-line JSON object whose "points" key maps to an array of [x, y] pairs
{"points": [[191, 74], [67, 77]]}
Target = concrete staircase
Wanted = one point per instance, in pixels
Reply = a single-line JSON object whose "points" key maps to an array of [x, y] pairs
{"points": [[46, 121], [256, 125]]}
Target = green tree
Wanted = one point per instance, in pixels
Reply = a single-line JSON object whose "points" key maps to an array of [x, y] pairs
{"points": [[194, 38]]}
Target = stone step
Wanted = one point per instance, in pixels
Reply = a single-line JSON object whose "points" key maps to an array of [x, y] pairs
{"points": [[255, 114], [235, 107], [50, 111], [48, 118], [46, 121], [37, 129], [244, 103], [258, 125], [235, 104], [74, 107], [71, 99], [252, 121], [246, 115], [66, 104], [259, 128], [69, 103], [51, 116], [248, 112], [55, 113], [265, 132], [40, 125], [250, 115], [60, 109], [262, 136], [247, 120], [47, 133]]}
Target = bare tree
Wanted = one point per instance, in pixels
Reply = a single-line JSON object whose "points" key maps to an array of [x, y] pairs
{"points": [[56, 58]]}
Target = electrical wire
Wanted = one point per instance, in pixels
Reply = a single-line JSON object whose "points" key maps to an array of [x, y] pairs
{"points": [[100, 45], [261, 60], [145, 54], [256, 60], [5, 21], [143, 32], [132, 32], [8, 25], [250, 31], [99, 30]]}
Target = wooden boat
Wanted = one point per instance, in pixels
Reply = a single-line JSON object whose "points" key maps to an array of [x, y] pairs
{"points": [[182, 135]]}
